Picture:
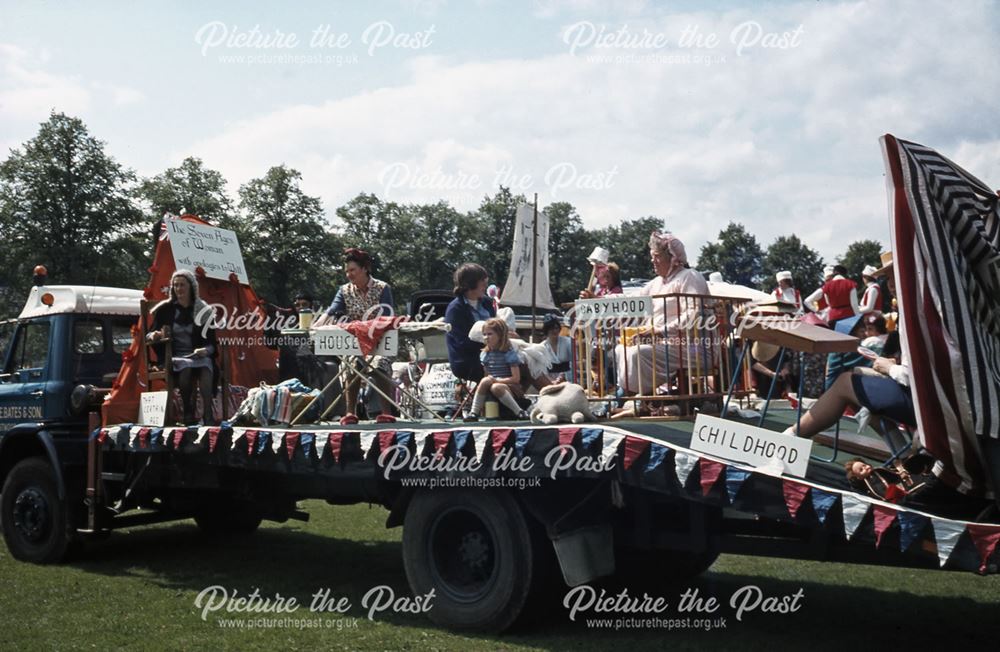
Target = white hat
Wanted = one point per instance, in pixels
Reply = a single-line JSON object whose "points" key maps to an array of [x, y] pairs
{"points": [[599, 255], [715, 277], [783, 276], [869, 270], [828, 271]]}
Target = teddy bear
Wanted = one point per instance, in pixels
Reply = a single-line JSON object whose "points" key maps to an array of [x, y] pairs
{"points": [[562, 402]]}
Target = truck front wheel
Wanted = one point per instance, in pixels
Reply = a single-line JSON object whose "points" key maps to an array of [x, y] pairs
{"points": [[476, 551], [35, 525]]}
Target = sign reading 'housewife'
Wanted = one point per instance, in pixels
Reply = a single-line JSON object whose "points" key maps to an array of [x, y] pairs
{"points": [[337, 341], [755, 446], [215, 250]]}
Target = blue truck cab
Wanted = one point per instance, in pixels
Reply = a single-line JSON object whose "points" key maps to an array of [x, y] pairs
{"points": [[59, 357]]}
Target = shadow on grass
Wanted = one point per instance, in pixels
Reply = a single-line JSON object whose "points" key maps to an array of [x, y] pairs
{"points": [[865, 605]]}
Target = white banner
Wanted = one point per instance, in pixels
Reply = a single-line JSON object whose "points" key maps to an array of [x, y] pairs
{"points": [[215, 250], [755, 446], [334, 340], [517, 290]]}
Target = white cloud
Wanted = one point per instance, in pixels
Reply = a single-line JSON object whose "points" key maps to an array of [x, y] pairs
{"points": [[779, 139], [27, 91]]}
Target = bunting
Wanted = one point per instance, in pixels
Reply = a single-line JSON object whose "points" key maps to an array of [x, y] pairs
{"points": [[734, 481], [946, 533], [822, 501], [855, 509], [884, 518], [986, 538], [683, 465], [710, 470], [634, 448], [609, 447], [911, 526], [794, 493]]}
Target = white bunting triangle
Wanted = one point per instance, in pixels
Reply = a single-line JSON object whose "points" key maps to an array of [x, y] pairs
{"points": [[201, 434], [133, 432], [277, 441], [237, 436], [420, 438], [367, 439], [612, 440], [854, 511], [683, 465], [479, 439], [947, 534], [321, 439]]}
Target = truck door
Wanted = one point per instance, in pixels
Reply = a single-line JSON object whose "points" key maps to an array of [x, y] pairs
{"points": [[25, 373]]}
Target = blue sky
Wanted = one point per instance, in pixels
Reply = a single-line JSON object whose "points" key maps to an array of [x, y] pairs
{"points": [[780, 134]]}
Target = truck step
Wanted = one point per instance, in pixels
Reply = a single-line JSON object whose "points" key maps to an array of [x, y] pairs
{"points": [[113, 477]]}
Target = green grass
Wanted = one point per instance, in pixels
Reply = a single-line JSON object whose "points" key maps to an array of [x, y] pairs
{"points": [[137, 591]]}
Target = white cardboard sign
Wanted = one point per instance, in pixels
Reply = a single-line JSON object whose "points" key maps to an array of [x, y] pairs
{"points": [[618, 306], [337, 341], [152, 408], [752, 445], [215, 250]]}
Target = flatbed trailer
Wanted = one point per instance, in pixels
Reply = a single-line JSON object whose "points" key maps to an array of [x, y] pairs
{"points": [[487, 508]]}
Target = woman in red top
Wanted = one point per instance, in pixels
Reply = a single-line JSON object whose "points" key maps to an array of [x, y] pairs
{"points": [[840, 293]]}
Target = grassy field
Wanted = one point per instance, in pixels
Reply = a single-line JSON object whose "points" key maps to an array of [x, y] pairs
{"points": [[138, 590]]}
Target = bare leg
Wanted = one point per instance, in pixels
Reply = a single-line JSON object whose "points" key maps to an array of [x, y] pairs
{"points": [[828, 408], [387, 387], [351, 393], [482, 391], [505, 395]]}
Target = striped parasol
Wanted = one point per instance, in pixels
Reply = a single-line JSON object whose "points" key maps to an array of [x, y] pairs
{"points": [[946, 244]]}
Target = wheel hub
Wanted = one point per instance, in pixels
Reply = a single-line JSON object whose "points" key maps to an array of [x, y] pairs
{"points": [[31, 513], [474, 550], [464, 555]]}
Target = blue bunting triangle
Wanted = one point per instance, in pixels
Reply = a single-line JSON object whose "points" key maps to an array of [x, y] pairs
{"points": [[263, 441], [306, 442], [154, 436], [522, 439], [589, 435], [911, 526], [461, 438], [657, 454], [734, 481], [403, 438], [822, 502]]}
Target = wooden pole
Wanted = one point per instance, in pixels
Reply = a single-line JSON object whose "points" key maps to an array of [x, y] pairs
{"points": [[534, 267]]}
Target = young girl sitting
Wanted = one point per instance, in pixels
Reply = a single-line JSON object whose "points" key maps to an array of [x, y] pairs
{"points": [[502, 370]]}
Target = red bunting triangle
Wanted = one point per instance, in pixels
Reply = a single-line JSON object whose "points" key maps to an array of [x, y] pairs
{"points": [[884, 518], [291, 440], [213, 438], [500, 437], [441, 440], [710, 470], [567, 435], [336, 439], [386, 439], [986, 538], [102, 435], [144, 437], [251, 436], [179, 436], [634, 447], [795, 493]]}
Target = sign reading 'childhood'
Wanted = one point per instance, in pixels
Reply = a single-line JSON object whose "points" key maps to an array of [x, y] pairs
{"points": [[215, 250], [614, 307], [337, 341], [755, 446]]}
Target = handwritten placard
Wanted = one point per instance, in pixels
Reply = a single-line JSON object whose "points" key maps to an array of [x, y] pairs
{"points": [[215, 250], [755, 446], [152, 408], [337, 341], [614, 307]]}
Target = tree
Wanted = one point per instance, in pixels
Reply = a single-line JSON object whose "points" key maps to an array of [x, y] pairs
{"points": [[189, 188], [736, 254], [790, 253], [284, 237], [859, 254], [66, 204]]}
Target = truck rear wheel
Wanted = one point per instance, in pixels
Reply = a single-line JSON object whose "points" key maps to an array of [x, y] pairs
{"points": [[35, 525], [476, 551]]}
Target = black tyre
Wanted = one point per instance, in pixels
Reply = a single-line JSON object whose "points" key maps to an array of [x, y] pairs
{"points": [[475, 549], [229, 517], [35, 524]]}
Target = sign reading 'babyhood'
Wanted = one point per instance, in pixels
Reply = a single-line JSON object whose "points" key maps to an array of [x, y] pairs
{"points": [[754, 446]]}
